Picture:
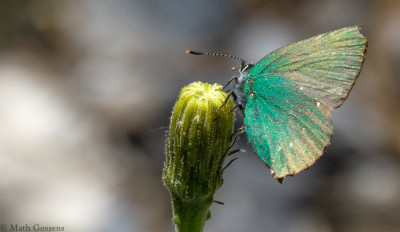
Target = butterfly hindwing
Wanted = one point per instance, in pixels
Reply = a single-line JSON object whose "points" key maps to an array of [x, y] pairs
{"points": [[288, 129], [290, 94]]}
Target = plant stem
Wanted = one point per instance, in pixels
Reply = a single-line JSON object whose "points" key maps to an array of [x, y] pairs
{"points": [[190, 215]]}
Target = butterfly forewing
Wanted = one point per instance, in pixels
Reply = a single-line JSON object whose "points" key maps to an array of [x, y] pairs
{"points": [[326, 65]]}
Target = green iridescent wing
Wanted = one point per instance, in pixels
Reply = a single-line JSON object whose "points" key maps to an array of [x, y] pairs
{"points": [[290, 93]]}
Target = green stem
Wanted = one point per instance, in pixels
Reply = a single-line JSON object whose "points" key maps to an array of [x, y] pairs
{"points": [[190, 215]]}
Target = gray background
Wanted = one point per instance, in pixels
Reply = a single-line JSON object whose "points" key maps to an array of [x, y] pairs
{"points": [[86, 92]]}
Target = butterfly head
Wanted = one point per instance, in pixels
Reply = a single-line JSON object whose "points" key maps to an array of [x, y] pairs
{"points": [[245, 67]]}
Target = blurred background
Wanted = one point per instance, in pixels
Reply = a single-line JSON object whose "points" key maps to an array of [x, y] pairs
{"points": [[86, 92]]}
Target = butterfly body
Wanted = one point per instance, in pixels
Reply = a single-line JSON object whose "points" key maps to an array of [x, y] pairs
{"points": [[238, 90], [287, 97]]}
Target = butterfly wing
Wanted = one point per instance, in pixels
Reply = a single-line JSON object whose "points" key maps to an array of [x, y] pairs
{"points": [[290, 93]]}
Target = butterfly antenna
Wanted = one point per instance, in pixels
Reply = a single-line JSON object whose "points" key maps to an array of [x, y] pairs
{"points": [[215, 54]]}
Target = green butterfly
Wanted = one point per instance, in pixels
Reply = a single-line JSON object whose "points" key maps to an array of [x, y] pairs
{"points": [[287, 97]]}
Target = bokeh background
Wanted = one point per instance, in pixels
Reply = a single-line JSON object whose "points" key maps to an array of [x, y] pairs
{"points": [[86, 92]]}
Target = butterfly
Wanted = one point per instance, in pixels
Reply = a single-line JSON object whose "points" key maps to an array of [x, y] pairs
{"points": [[287, 97]]}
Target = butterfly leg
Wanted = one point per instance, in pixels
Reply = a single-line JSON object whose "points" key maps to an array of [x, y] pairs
{"points": [[226, 101], [219, 202], [230, 162], [228, 152], [237, 132], [222, 115], [233, 78], [234, 138]]}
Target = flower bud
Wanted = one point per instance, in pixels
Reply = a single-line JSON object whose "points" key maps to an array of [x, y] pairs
{"points": [[198, 139]]}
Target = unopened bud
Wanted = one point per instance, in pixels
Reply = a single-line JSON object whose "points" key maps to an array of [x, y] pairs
{"points": [[198, 139]]}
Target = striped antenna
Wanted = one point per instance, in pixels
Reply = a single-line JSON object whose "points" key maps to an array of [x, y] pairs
{"points": [[214, 54]]}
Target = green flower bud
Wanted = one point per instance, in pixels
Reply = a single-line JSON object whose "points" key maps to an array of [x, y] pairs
{"points": [[198, 140]]}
